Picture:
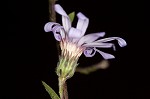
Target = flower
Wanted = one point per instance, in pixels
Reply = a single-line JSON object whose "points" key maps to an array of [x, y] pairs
{"points": [[72, 40]]}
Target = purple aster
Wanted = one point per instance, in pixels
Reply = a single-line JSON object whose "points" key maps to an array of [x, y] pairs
{"points": [[73, 42]]}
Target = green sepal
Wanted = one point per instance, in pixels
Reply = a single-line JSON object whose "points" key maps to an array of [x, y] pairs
{"points": [[71, 16], [50, 91]]}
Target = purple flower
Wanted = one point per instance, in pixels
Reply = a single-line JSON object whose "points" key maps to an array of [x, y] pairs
{"points": [[72, 40]]}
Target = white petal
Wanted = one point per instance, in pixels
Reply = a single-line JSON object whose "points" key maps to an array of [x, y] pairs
{"points": [[121, 41], [105, 55], [65, 19], [83, 23], [90, 38]]}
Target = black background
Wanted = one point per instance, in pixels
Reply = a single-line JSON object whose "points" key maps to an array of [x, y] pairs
{"points": [[29, 54]]}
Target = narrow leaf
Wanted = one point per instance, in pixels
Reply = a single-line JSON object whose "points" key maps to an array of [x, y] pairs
{"points": [[71, 16], [50, 91]]}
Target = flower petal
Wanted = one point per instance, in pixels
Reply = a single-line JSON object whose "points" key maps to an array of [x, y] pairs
{"points": [[48, 26], [58, 32], [65, 19], [90, 38], [83, 22], [74, 33], [105, 55], [89, 52], [57, 37], [121, 41], [100, 45]]}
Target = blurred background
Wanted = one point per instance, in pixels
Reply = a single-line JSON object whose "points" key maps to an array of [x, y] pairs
{"points": [[30, 55]]}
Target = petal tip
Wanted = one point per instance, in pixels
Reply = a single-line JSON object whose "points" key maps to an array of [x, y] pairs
{"points": [[81, 16], [122, 42], [57, 6], [46, 27], [60, 10], [102, 34], [110, 57]]}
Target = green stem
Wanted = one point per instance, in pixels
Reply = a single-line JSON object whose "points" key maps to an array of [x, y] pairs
{"points": [[62, 88]]}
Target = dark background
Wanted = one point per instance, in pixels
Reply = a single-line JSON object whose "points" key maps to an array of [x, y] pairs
{"points": [[29, 55]]}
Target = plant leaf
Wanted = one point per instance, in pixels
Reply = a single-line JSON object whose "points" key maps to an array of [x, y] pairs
{"points": [[50, 91], [71, 16]]}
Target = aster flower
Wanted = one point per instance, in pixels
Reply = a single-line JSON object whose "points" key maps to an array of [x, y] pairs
{"points": [[73, 42]]}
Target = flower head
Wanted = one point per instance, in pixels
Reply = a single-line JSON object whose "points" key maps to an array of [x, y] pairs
{"points": [[72, 40]]}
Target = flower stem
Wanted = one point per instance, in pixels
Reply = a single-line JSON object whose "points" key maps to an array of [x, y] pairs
{"points": [[62, 88], [52, 13]]}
